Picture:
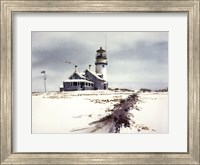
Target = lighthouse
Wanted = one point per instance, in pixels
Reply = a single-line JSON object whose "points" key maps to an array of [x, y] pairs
{"points": [[89, 80], [101, 63]]}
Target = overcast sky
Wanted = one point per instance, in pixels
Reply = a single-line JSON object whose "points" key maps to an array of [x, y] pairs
{"points": [[135, 59]]}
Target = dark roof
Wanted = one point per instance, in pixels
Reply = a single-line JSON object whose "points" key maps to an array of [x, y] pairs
{"points": [[100, 50], [95, 75], [78, 74]]}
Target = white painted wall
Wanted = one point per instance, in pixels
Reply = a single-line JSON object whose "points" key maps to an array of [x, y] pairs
{"points": [[102, 70]]}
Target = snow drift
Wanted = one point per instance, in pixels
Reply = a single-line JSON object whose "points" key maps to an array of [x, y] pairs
{"points": [[95, 112]]}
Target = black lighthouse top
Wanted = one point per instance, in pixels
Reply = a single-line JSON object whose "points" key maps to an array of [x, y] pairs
{"points": [[101, 53]]}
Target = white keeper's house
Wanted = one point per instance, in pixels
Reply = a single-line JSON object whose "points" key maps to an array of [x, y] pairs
{"points": [[89, 80]]}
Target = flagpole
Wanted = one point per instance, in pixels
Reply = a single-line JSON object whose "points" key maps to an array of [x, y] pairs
{"points": [[45, 82], [44, 78]]}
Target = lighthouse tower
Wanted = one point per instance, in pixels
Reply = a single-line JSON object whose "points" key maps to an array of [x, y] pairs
{"points": [[101, 63]]}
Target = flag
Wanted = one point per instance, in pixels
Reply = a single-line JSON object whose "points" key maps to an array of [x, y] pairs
{"points": [[68, 62], [43, 71]]}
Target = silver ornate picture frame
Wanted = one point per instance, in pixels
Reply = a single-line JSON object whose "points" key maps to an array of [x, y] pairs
{"points": [[8, 7]]}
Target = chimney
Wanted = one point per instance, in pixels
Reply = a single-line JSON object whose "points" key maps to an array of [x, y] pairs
{"points": [[89, 67], [76, 68]]}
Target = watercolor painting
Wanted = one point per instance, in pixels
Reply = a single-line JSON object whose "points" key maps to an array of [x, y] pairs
{"points": [[100, 82]]}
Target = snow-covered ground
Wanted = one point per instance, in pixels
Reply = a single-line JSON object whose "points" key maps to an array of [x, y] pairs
{"points": [[150, 113], [73, 112]]}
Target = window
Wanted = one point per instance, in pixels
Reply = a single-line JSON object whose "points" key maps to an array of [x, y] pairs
{"points": [[74, 83]]}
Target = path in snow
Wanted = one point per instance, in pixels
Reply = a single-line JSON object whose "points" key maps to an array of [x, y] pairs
{"points": [[99, 112], [119, 117]]}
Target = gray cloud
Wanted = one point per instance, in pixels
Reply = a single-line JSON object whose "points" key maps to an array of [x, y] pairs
{"points": [[137, 59]]}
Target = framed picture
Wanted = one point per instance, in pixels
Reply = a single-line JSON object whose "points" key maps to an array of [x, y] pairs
{"points": [[100, 82]]}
